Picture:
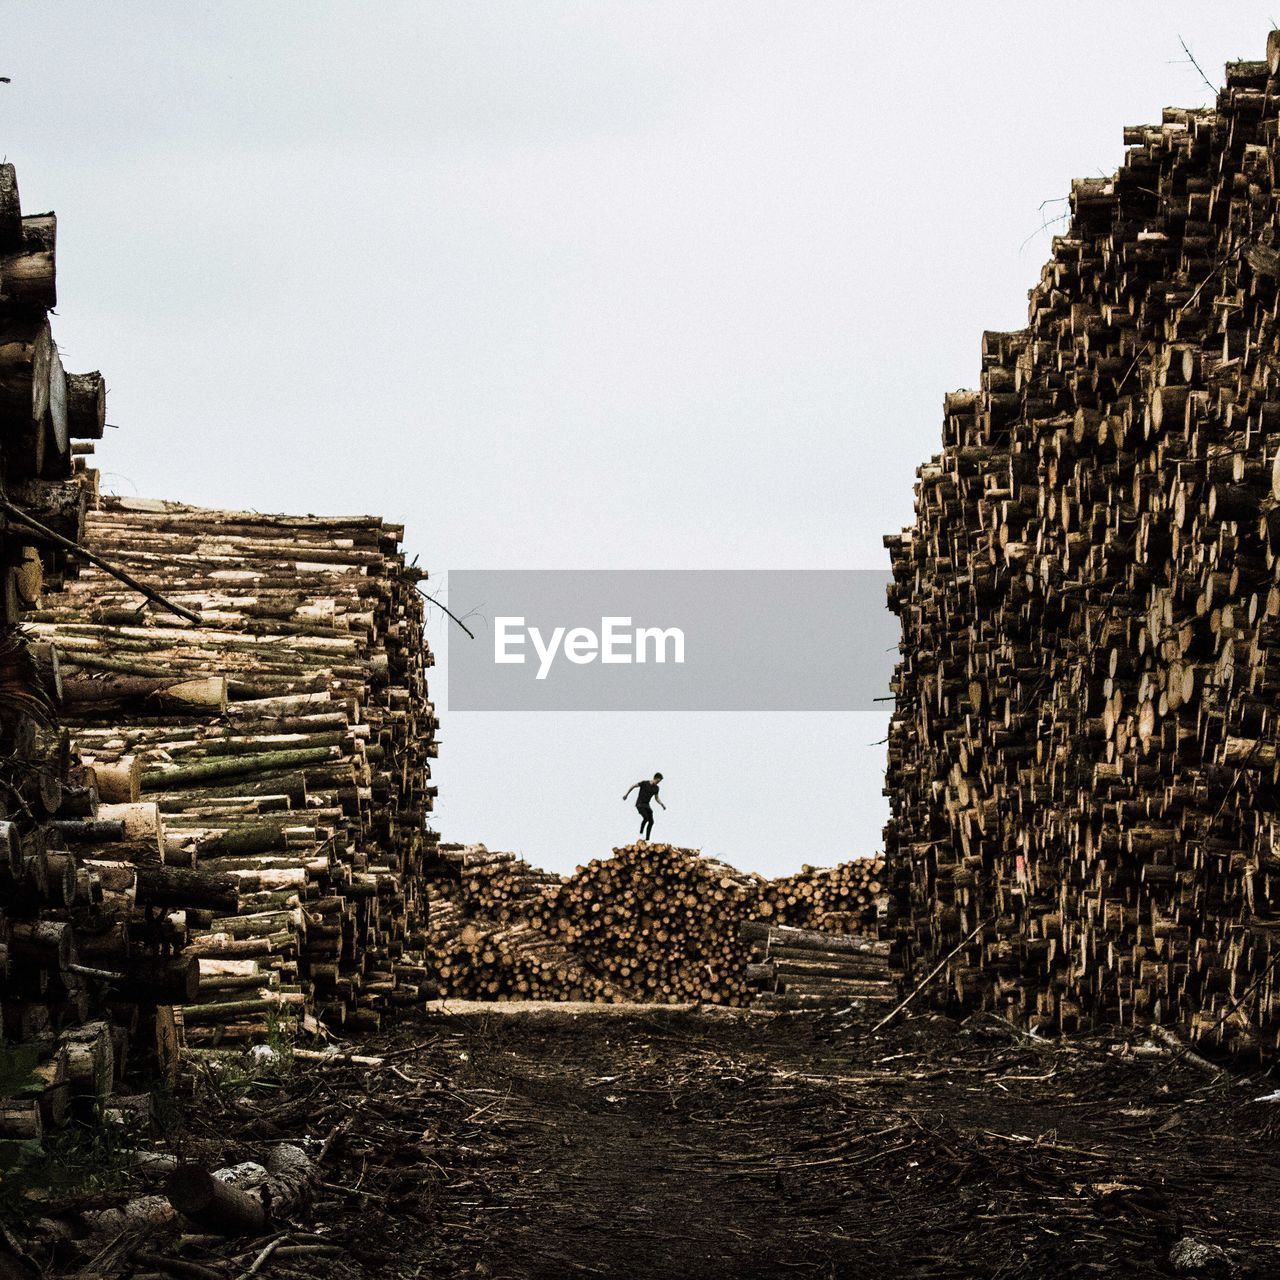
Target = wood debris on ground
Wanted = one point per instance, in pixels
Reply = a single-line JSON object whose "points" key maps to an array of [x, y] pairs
{"points": [[742, 1145]]}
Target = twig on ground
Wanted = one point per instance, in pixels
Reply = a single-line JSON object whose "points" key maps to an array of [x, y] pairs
{"points": [[261, 1260], [1185, 1052]]}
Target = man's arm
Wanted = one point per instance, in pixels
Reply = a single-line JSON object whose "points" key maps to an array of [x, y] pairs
{"points": [[629, 790], [659, 801]]}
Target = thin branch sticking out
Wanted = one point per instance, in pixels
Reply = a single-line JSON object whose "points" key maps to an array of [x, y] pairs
{"points": [[1191, 58], [15, 512]]}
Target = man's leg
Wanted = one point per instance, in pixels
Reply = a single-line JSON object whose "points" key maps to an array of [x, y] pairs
{"points": [[646, 822]]}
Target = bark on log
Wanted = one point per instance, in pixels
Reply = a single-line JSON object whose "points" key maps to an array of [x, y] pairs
{"points": [[244, 1200]]}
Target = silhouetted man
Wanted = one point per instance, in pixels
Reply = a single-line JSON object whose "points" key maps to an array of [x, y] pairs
{"points": [[648, 791]]}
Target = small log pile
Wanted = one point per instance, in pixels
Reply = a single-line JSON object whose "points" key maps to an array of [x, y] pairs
{"points": [[846, 898], [471, 961], [653, 923], [91, 941], [659, 923], [280, 745], [488, 936], [809, 969], [237, 1200], [1084, 758], [498, 885]]}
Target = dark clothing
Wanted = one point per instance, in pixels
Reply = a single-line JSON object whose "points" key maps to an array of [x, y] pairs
{"points": [[646, 793]]}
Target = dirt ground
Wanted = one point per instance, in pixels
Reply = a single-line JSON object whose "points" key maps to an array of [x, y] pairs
{"points": [[691, 1147]]}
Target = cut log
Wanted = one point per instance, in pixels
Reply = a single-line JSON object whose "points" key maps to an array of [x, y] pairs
{"points": [[243, 1200]]}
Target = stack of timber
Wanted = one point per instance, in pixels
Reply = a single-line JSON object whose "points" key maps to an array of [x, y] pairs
{"points": [[283, 743], [487, 936], [499, 885], [1084, 758], [809, 969], [846, 898], [472, 961], [653, 923], [92, 927], [659, 923]]}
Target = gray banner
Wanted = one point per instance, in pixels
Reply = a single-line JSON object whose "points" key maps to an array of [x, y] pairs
{"points": [[670, 640]]}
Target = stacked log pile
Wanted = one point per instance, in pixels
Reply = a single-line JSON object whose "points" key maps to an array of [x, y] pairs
{"points": [[468, 960], [499, 885], [841, 899], [281, 743], [810, 969], [1084, 759], [653, 923], [487, 938], [659, 923], [92, 929]]}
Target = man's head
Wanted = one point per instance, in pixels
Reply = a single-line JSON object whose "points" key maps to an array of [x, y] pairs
{"points": [[657, 777]]}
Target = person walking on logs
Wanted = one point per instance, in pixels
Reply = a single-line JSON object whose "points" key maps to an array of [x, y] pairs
{"points": [[647, 791]]}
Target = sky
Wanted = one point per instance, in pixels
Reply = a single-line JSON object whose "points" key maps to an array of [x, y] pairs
{"points": [[576, 285]]}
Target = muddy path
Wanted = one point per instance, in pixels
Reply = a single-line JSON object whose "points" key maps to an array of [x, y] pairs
{"points": [[693, 1147], [689, 1146]]}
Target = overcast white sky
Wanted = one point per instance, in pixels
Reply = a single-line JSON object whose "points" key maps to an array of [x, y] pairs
{"points": [[575, 285]]}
